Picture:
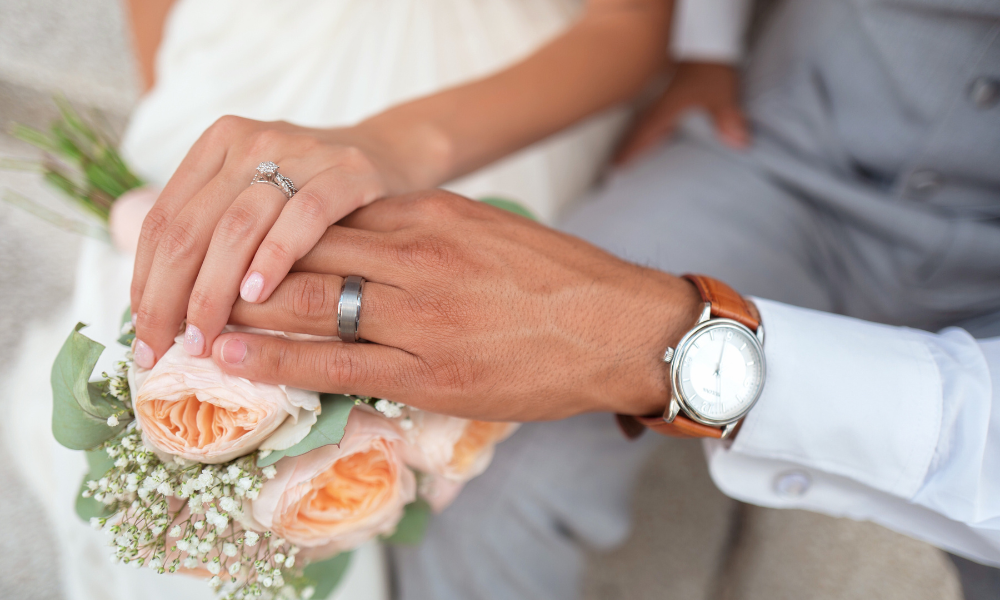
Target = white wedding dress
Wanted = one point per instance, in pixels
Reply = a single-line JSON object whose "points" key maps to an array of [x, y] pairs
{"points": [[312, 63]]}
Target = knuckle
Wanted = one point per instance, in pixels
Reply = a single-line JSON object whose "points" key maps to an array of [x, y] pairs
{"points": [[238, 223], [147, 320], [156, 222], [355, 159], [200, 303], [264, 141], [276, 250], [343, 369], [427, 252], [309, 297], [225, 128], [457, 373], [440, 205], [178, 243], [135, 291], [276, 359], [309, 205]]}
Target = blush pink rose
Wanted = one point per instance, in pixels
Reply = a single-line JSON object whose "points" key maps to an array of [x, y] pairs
{"points": [[336, 497], [453, 448], [126, 217], [188, 407]]}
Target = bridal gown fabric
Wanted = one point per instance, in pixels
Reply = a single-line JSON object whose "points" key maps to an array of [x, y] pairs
{"points": [[314, 64]]}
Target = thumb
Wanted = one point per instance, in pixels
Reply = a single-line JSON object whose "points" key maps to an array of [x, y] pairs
{"points": [[646, 133], [731, 126]]}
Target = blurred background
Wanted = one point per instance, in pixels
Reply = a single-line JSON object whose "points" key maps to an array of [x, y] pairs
{"points": [[690, 541]]}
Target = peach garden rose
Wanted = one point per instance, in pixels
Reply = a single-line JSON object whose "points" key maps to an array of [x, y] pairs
{"points": [[188, 407], [336, 497], [450, 447]]}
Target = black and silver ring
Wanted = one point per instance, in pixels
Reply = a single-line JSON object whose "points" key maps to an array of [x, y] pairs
{"points": [[267, 172], [349, 309]]}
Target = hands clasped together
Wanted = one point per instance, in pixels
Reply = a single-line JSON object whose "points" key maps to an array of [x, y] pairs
{"points": [[470, 310]]}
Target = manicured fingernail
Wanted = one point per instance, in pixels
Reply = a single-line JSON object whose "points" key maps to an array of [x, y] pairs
{"points": [[133, 319], [234, 351], [143, 355], [250, 290], [194, 341]]}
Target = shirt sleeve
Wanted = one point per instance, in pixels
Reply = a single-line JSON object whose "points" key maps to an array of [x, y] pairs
{"points": [[873, 422], [709, 30]]}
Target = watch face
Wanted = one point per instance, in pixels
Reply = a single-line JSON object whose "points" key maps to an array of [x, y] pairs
{"points": [[720, 372]]}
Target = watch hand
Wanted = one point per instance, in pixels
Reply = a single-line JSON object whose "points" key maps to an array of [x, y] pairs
{"points": [[718, 371]]}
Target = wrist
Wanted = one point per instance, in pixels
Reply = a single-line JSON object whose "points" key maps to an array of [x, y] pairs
{"points": [[414, 153], [664, 312]]}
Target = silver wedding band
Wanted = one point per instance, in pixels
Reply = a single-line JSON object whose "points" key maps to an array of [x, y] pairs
{"points": [[267, 172], [349, 309]]}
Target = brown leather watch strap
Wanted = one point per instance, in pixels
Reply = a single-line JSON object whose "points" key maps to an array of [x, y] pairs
{"points": [[680, 427], [725, 303]]}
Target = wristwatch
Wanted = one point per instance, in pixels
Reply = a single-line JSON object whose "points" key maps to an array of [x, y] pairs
{"points": [[717, 370]]}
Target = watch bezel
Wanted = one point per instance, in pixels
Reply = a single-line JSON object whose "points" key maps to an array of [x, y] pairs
{"points": [[678, 358]]}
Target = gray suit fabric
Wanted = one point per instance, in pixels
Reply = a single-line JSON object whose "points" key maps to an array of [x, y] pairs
{"points": [[872, 189]]}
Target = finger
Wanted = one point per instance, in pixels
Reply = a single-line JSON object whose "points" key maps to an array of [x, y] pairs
{"points": [[402, 212], [731, 127], [307, 303], [322, 201], [648, 133], [333, 367], [345, 251], [176, 262], [234, 241], [201, 164]]}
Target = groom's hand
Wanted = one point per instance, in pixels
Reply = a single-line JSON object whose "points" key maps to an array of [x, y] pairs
{"points": [[471, 311]]}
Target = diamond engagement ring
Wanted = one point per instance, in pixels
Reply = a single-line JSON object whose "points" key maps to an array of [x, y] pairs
{"points": [[267, 172], [349, 309]]}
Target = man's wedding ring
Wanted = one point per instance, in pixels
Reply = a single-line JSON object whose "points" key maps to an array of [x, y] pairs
{"points": [[267, 172], [349, 309]]}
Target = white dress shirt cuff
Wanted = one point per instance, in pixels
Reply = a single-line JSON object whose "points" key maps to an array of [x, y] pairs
{"points": [[709, 30], [844, 397]]}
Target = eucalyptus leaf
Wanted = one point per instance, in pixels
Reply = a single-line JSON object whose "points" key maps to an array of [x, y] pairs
{"points": [[99, 463], [510, 206], [329, 429], [325, 575], [412, 526], [80, 409]]}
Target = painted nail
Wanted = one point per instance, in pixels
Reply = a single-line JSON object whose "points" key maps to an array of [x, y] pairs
{"points": [[143, 355], [250, 290], [234, 351], [194, 341]]}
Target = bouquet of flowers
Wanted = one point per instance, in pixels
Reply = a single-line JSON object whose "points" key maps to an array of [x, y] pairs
{"points": [[263, 490]]}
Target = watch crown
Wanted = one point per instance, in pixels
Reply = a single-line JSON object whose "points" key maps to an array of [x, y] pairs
{"points": [[668, 355]]}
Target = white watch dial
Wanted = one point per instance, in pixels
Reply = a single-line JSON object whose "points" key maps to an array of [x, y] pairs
{"points": [[721, 372]]}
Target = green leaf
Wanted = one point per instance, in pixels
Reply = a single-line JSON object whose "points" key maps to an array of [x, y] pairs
{"points": [[125, 339], [80, 409], [510, 206], [412, 526], [329, 429], [325, 575], [99, 463]]}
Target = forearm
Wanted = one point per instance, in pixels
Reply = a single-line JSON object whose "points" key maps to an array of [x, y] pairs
{"points": [[146, 19], [603, 59]]}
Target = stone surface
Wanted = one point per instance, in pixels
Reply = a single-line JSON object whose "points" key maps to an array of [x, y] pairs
{"points": [[690, 542], [680, 536], [797, 555]]}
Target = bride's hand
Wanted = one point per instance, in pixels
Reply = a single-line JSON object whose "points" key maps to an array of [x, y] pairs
{"points": [[212, 237], [470, 311]]}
